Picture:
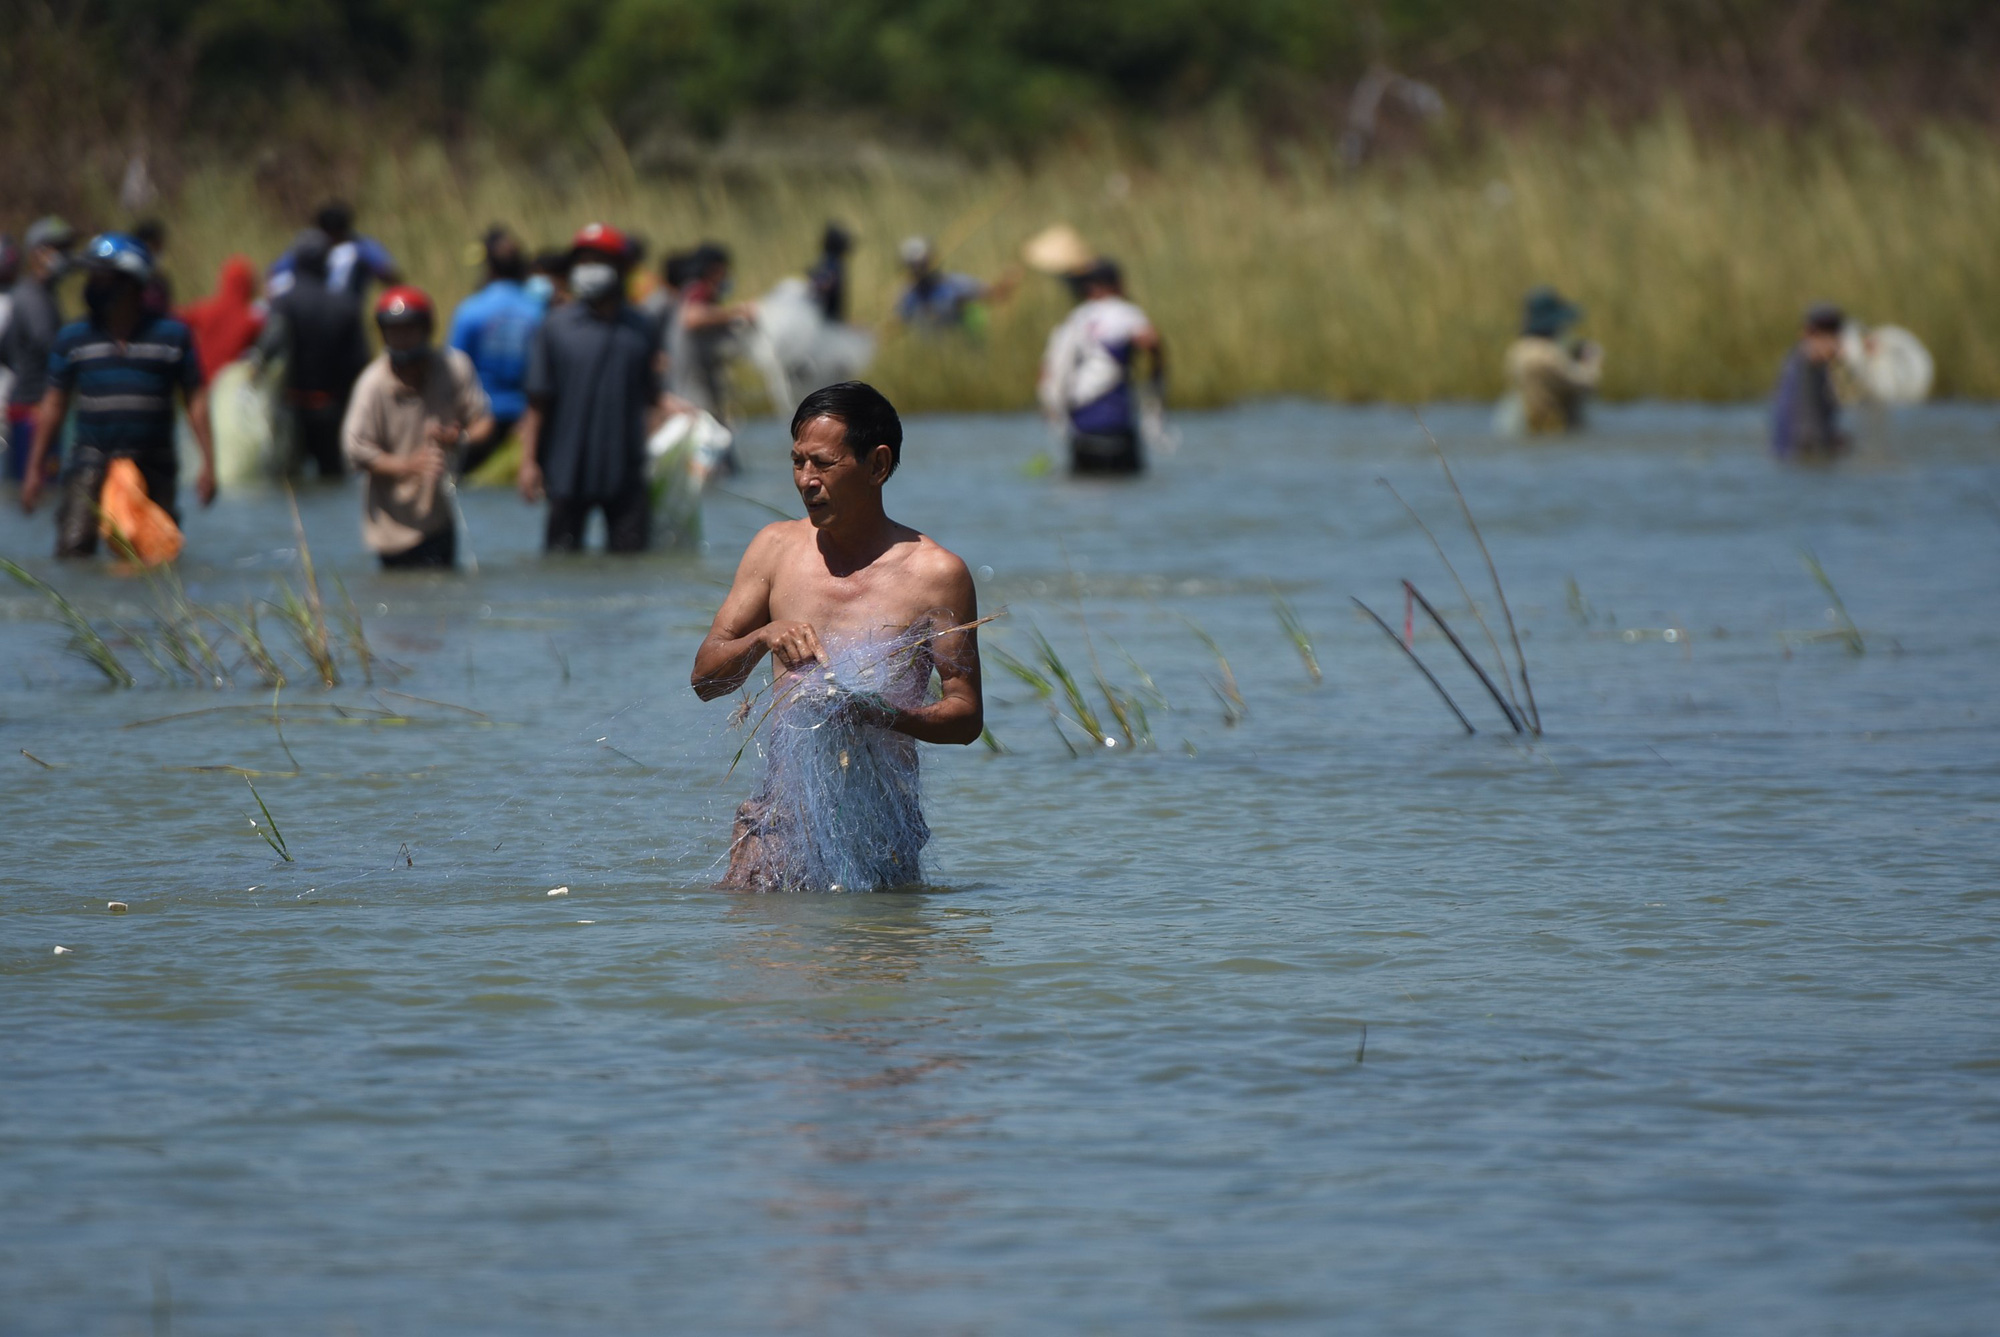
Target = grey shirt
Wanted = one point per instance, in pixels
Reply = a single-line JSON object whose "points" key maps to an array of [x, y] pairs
{"points": [[594, 381], [31, 330]]}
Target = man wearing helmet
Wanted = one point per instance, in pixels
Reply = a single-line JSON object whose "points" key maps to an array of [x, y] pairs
{"points": [[593, 388], [414, 410], [118, 368]]}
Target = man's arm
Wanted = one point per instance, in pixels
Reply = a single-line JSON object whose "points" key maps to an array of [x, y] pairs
{"points": [[529, 431], [204, 439], [959, 715], [743, 630], [48, 421]]}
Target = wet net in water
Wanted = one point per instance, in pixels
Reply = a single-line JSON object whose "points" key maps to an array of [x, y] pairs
{"points": [[841, 807]]}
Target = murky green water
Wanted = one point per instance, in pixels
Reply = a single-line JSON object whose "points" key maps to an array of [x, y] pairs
{"points": [[1682, 1020]]}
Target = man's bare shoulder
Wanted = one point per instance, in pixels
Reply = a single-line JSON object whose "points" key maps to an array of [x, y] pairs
{"points": [[937, 566], [776, 541]]}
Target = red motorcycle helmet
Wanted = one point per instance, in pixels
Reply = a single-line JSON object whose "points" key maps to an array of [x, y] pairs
{"points": [[404, 305], [601, 239]]}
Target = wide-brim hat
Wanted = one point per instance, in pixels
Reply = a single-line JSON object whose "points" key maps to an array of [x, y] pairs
{"points": [[1058, 249]]}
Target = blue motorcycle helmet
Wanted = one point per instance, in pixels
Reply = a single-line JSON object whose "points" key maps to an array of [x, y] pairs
{"points": [[116, 253]]}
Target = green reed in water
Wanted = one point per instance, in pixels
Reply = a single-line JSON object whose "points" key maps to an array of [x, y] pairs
{"points": [[1845, 630], [269, 830], [84, 639], [1295, 632]]}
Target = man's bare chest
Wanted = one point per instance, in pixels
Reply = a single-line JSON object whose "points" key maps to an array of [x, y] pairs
{"points": [[882, 597]]}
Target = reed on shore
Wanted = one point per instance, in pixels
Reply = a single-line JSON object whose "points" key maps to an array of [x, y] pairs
{"points": [[1272, 272]]}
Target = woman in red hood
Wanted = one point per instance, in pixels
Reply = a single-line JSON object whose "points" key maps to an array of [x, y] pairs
{"points": [[229, 322]]}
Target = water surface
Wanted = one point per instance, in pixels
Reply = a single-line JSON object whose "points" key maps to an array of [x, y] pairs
{"points": [[1680, 1019]]}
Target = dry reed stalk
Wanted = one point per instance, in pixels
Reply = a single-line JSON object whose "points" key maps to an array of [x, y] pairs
{"points": [[1429, 677], [308, 618], [1505, 675], [1521, 660], [1231, 697], [1464, 654]]}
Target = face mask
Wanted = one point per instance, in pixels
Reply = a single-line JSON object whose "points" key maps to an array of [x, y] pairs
{"points": [[407, 357], [541, 287], [590, 281]]}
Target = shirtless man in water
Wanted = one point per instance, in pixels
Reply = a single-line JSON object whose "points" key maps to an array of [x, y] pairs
{"points": [[845, 575]]}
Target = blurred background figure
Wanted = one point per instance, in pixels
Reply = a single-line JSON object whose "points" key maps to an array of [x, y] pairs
{"points": [[225, 324], [662, 305], [937, 300], [494, 328], [315, 326], [34, 318], [593, 388], [1549, 381], [415, 410], [1805, 413], [705, 324], [119, 368], [10, 269], [151, 233], [828, 276], [548, 278], [352, 261], [1086, 382]]}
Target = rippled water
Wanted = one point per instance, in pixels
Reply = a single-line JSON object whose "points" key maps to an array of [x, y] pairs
{"points": [[1680, 1020]]}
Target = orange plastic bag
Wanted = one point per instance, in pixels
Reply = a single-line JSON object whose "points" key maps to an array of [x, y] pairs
{"points": [[131, 521]]}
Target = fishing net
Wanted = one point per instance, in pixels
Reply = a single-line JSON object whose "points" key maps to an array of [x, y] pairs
{"points": [[840, 808]]}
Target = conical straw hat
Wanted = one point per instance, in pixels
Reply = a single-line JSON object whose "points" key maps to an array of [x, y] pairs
{"points": [[1058, 249]]}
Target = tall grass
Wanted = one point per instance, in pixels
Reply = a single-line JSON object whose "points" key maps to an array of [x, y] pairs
{"points": [[1276, 274]]}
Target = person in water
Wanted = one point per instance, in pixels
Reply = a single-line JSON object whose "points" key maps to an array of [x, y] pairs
{"points": [[1805, 416], [1549, 380], [1087, 373], [856, 610]]}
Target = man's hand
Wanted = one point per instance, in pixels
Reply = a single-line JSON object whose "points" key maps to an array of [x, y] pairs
{"points": [[31, 491], [529, 480], [204, 485], [428, 463], [792, 643]]}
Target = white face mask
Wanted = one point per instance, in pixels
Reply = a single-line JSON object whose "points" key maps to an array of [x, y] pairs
{"points": [[592, 280]]}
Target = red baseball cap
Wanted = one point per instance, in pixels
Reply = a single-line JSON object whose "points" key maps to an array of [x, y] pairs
{"points": [[402, 305], [603, 239]]}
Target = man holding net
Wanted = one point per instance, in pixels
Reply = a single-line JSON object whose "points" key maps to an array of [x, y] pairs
{"points": [[857, 612]]}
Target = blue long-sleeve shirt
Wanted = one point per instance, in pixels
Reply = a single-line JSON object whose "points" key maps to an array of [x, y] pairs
{"points": [[494, 327]]}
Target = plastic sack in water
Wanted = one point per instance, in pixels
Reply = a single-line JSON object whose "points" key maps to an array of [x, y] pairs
{"points": [[796, 349], [1891, 365], [680, 459], [242, 411], [130, 520]]}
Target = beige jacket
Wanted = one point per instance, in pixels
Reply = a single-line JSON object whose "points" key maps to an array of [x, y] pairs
{"points": [[386, 417], [1553, 383]]}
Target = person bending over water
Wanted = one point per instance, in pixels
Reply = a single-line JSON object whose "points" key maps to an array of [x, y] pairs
{"points": [[856, 611]]}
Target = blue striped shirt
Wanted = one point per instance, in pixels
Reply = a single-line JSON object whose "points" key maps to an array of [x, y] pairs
{"points": [[122, 395]]}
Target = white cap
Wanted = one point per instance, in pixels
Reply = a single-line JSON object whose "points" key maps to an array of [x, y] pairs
{"points": [[916, 250]]}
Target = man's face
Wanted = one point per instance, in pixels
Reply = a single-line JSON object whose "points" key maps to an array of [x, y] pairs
{"points": [[407, 337], [830, 477], [1822, 345]]}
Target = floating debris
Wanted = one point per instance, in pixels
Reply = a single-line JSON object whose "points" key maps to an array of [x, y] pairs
{"points": [[62, 951], [559, 891], [116, 907]]}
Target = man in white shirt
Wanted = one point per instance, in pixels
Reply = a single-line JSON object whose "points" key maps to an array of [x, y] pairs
{"points": [[1087, 373]]}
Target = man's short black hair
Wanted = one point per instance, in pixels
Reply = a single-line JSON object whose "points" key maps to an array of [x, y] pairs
{"points": [[150, 233], [335, 218], [867, 414]]}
